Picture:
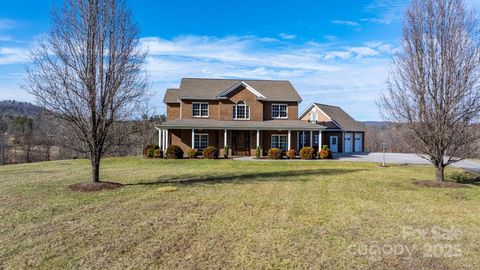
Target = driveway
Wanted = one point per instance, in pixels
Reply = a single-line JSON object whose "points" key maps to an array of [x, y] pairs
{"points": [[401, 158], [390, 158]]}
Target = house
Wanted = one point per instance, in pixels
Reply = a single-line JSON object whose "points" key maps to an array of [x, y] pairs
{"points": [[242, 114], [342, 133]]}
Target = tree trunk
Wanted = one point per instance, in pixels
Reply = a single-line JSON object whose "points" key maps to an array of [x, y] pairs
{"points": [[95, 169], [440, 173]]}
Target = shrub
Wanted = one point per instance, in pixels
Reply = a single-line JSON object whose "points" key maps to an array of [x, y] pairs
{"points": [[258, 152], [225, 151], [325, 153], [291, 154], [174, 152], [210, 153], [307, 152], [273, 153], [158, 153], [192, 153], [150, 153], [147, 148]]}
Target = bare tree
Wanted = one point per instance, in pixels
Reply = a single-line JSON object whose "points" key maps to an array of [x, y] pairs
{"points": [[433, 91], [89, 71]]}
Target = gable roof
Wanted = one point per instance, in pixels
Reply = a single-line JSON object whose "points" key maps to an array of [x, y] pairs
{"points": [[211, 89], [171, 95], [340, 117]]}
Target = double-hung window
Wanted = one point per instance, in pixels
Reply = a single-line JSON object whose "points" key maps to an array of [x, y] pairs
{"points": [[279, 141], [316, 139], [200, 109], [241, 111], [279, 111], [201, 141]]}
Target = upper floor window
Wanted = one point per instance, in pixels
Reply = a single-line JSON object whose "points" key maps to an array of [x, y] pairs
{"points": [[200, 109], [279, 111], [241, 111], [313, 117]]}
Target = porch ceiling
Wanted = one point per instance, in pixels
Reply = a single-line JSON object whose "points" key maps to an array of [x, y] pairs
{"points": [[240, 125]]}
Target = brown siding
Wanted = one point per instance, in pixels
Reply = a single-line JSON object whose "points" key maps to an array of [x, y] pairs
{"points": [[173, 111], [326, 139], [213, 109], [241, 94], [292, 110], [321, 117], [183, 138]]}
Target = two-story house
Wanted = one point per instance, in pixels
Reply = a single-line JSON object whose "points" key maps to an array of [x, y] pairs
{"points": [[242, 114]]}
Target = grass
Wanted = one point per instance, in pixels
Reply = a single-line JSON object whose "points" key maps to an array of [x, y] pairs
{"points": [[230, 214]]}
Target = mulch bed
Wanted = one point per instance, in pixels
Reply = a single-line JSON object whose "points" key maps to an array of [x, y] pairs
{"points": [[445, 184], [93, 187]]}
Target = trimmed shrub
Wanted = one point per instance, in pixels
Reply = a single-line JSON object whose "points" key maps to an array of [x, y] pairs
{"points": [[158, 153], [325, 153], [258, 152], [307, 152], [192, 153], [225, 151], [274, 153], [147, 148], [210, 153], [150, 153], [174, 152], [291, 154]]}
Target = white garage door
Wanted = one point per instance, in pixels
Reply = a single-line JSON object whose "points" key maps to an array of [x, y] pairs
{"points": [[348, 142], [358, 142]]}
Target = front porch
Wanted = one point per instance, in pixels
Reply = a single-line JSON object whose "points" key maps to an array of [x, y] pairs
{"points": [[242, 140]]}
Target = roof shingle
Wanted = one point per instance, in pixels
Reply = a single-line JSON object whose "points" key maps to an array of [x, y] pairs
{"points": [[338, 115]]}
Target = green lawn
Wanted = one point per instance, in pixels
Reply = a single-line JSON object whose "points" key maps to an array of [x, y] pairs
{"points": [[232, 214]]}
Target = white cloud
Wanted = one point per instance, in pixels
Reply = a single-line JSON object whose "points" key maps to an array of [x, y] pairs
{"points": [[5, 38], [8, 24], [344, 22], [349, 76], [330, 37], [13, 55], [287, 36], [385, 11], [378, 20]]}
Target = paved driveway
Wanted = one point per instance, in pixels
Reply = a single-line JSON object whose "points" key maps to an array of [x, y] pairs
{"points": [[390, 158], [400, 158]]}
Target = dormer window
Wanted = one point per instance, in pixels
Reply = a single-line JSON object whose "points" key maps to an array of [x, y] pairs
{"points": [[200, 109], [279, 111], [241, 111]]}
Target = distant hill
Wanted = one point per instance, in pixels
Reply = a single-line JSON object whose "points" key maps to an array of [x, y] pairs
{"points": [[377, 124], [17, 108]]}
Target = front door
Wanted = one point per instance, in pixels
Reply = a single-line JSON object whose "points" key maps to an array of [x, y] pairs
{"points": [[241, 143], [334, 144]]}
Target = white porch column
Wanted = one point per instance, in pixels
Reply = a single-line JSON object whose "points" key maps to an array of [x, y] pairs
{"points": [[224, 137], [258, 138], [160, 138], [289, 139], [319, 139], [311, 140], [166, 139], [193, 138], [163, 140]]}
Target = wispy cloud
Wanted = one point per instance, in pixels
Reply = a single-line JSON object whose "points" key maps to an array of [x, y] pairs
{"points": [[385, 11], [8, 24], [330, 37], [345, 22], [287, 36], [325, 72], [13, 55]]}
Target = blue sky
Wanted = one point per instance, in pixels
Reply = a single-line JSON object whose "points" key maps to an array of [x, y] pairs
{"points": [[334, 52]]}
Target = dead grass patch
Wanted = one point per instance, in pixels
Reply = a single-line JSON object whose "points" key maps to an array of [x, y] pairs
{"points": [[94, 187], [444, 184]]}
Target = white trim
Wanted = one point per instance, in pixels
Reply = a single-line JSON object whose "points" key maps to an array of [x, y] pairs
{"points": [[311, 138], [309, 107], [201, 134], [289, 140], [244, 84], [278, 135], [201, 116], [273, 104], [235, 107]]}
